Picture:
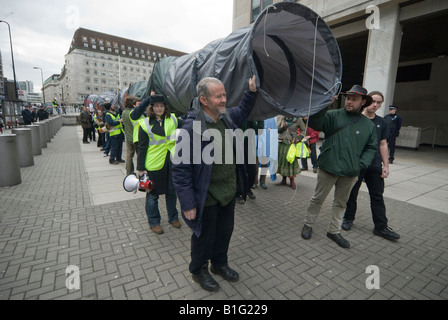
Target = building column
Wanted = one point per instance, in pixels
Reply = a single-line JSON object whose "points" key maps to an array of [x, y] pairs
{"points": [[383, 53]]}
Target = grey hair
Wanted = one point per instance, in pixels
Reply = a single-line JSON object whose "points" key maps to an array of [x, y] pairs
{"points": [[203, 86]]}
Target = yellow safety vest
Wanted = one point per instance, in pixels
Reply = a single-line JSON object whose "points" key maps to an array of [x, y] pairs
{"points": [[116, 130], [136, 125], [159, 145]]}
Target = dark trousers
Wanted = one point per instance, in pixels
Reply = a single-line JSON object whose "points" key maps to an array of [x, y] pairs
{"points": [[313, 157], [92, 134], [375, 184], [107, 143], [116, 147], [213, 244], [101, 139], [85, 135], [391, 142]]}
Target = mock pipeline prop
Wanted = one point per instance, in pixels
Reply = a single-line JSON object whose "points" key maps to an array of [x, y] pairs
{"points": [[289, 48]]}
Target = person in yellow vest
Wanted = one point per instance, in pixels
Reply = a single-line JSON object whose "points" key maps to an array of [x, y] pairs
{"points": [[156, 142], [116, 134], [130, 104]]}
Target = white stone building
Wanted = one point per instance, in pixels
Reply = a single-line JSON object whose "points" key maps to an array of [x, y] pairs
{"points": [[97, 62]]}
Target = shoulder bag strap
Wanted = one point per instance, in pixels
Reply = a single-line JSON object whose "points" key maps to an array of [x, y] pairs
{"points": [[354, 120]]}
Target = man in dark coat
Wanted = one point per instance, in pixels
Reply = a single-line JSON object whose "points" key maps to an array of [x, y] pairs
{"points": [[42, 114], [205, 181], [27, 115], [86, 124], [394, 121]]}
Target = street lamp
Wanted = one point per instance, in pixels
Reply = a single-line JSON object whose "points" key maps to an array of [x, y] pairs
{"points": [[12, 57], [42, 75]]}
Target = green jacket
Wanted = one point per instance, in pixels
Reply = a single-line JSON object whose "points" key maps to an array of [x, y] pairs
{"points": [[128, 127], [348, 151]]}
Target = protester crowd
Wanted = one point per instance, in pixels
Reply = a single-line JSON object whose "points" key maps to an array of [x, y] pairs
{"points": [[357, 147]]}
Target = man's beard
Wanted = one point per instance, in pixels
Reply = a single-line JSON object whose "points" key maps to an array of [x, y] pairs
{"points": [[223, 112], [355, 112]]}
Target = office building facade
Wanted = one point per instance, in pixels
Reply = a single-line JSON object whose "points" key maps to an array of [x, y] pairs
{"points": [[97, 62]]}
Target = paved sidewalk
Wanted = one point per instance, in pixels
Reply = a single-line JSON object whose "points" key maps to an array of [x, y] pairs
{"points": [[56, 218]]}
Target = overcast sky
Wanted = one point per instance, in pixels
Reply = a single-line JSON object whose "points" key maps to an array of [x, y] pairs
{"points": [[42, 30]]}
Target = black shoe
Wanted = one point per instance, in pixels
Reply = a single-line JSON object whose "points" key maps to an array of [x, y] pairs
{"points": [[315, 170], [387, 233], [206, 280], [336, 237], [304, 169], [306, 232], [114, 162], [86, 142], [226, 272], [240, 200], [121, 161], [251, 195], [347, 224]]}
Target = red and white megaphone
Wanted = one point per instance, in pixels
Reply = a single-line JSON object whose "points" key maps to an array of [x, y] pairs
{"points": [[131, 183]]}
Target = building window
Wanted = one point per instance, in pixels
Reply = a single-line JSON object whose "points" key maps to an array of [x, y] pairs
{"points": [[257, 7]]}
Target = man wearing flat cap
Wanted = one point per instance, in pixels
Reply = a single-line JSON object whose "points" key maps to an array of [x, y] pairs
{"points": [[350, 146], [394, 122]]}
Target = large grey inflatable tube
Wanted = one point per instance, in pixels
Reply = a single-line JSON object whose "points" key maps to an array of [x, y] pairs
{"points": [[289, 48]]}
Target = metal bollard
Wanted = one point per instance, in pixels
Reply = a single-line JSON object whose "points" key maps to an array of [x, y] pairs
{"points": [[9, 160], [47, 130], [35, 139], [43, 137], [24, 146]]}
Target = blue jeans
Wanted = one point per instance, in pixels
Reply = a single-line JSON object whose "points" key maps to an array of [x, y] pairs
{"points": [[152, 207], [107, 143], [116, 147]]}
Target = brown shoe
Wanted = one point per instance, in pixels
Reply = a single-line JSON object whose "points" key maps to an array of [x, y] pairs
{"points": [[176, 224], [157, 229], [293, 184]]}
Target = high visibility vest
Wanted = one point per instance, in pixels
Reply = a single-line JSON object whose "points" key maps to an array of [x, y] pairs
{"points": [[159, 145], [136, 125], [116, 130]]}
